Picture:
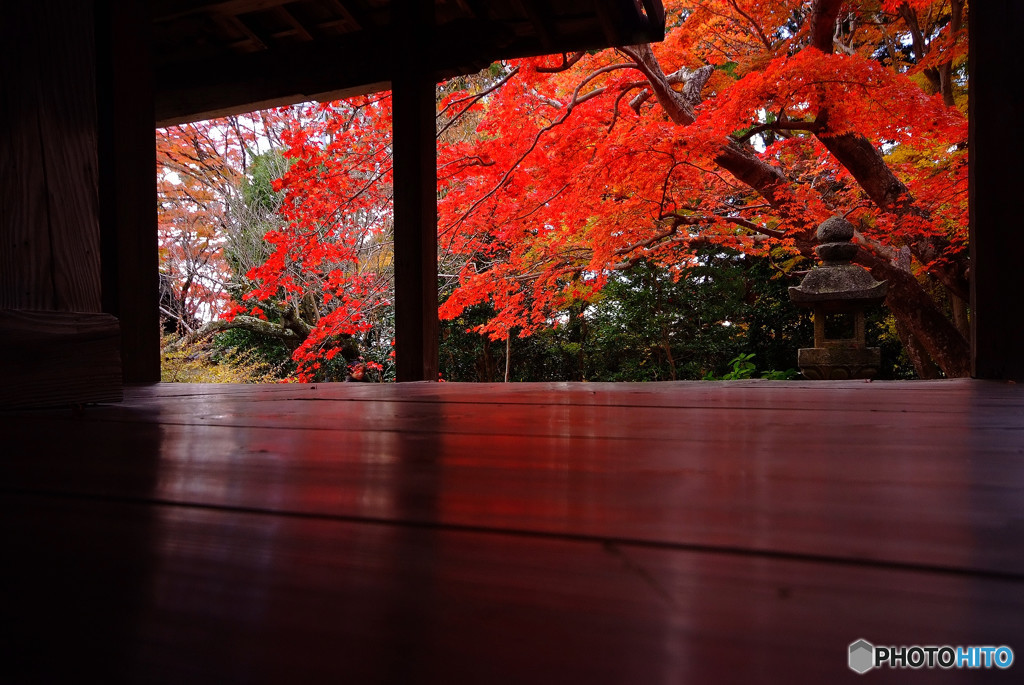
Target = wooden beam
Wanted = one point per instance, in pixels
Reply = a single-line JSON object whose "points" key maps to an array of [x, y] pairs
{"points": [[297, 26], [539, 18], [997, 279], [355, 63], [52, 358], [167, 10], [415, 192], [128, 216], [315, 70]]}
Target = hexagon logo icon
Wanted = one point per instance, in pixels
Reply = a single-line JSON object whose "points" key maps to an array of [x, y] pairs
{"points": [[862, 656]]}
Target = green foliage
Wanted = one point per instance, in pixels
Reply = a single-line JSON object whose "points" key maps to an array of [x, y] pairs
{"points": [[265, 349], [742, 367], [787, 375], [880, 329], [708, 323], [205, 363], [257, 187]]}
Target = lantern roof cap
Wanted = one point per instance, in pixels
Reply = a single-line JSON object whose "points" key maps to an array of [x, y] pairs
{"points": [[838, 282]]}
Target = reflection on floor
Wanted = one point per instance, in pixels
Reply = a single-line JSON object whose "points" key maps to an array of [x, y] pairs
{"points": [[528, 533]]}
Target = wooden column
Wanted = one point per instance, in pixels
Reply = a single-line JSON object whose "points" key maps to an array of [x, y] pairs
{"points": [[56, 344], [127, 188], [415, 192], [996, 163]]}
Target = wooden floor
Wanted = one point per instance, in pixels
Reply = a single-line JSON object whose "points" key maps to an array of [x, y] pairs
{"points": [[740, 532]]}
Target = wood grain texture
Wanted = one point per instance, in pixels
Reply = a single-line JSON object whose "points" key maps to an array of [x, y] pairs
{"points": [[423, 532], [58, 358], [25, 262], [175, 594], [712, 465], [50, 228]]}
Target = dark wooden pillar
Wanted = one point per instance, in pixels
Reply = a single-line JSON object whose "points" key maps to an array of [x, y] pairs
{"points": [[127, 188], [997, 173], [56, 344], [415, 192]]}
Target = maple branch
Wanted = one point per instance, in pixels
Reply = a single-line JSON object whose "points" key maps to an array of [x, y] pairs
{"points": [[542, 203], [909, 17], [779, 125], [767, 180], [678, 220], [249, 323], [567, 61], [472, 160], [634, 104], [473, 99], [679, 106], [570, 105], [945, 69], [180, 318], [615, 108], [687, 241], [639, 100], [757, 27]]}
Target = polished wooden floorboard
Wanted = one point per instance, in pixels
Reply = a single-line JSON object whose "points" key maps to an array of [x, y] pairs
{"points": [[627, 533]]}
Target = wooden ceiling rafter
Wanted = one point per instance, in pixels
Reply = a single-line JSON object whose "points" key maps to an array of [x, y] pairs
{"points": [[297, 27], [274, 52], [354, 17], [170, 10], [251, 43]]}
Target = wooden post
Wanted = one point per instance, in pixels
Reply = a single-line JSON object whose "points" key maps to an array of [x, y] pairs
{"points": [[996, 162], [127, 183], [50, 256], [415, 192], [56, 345]]}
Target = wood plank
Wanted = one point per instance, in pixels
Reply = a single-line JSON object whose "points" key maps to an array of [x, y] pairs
{"points": [[959, 391], [982, 403], [177, 594], [58, 358], [822, 480]]}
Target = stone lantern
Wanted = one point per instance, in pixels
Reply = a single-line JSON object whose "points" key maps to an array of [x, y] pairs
{"points": [[838, 290]]}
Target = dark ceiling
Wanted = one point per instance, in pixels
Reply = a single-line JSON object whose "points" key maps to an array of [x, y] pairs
{"points": [[217, 57]]}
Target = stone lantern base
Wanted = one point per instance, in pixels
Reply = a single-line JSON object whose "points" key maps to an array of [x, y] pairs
{"points": [[839, 363]]}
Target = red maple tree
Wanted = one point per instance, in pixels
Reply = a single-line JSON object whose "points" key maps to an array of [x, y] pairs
{"points": [[749, 125]]}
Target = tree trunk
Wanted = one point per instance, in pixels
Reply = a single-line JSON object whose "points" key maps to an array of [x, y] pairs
{"points": [[915, 310], [486, 365], [508, 354], [922, 319], [923, 365], [960, 317]]}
